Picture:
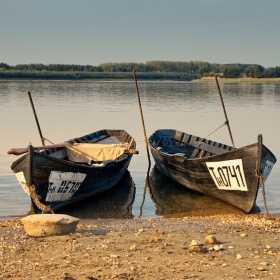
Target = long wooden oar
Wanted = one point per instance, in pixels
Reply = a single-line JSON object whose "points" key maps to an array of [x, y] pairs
{"points": [[142, 118], [36, 119], [20, 151], [227, 122]]}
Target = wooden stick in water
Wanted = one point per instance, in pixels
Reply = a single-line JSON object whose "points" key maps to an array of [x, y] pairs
{"points": [[142, 118], [36, 119], [227, 122]]}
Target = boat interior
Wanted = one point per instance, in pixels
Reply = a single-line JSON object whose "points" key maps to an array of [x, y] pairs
{"points": [[93, 149], [174, 142]]}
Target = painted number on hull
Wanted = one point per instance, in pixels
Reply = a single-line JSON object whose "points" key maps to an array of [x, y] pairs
{"points": [[228, 175], [62, 185]]}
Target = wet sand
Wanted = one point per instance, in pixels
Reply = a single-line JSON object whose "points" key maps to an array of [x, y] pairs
{"points": [[247, 247]]}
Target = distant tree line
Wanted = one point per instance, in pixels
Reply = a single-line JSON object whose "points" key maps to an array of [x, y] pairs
{"points": [[73, 75], [149, 70]]}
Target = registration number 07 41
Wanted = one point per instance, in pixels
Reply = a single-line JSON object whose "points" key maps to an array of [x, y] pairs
{"points": [[228, 175]]}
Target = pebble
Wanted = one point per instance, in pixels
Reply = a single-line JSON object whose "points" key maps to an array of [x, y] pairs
{"points": [[133, 248], [238, 257], [260, 268], [196, 246], [210, 239], [195, 243], [218, 247], [114, 256], [199, 249], [154, 239]]}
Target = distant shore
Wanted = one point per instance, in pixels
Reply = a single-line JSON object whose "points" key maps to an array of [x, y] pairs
{"points": [[237, 80], [202, 80]]}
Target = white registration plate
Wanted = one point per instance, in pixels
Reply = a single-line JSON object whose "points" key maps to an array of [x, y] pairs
{"points": [[62, 185], [228, 175]]}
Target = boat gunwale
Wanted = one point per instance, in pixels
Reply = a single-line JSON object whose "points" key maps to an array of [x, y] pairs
{"points": [[43, 153], [213, 156]]}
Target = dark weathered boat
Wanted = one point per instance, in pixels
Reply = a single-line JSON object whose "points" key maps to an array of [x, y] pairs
{"points": [[74, 170], [115, 203], [214, 169]]}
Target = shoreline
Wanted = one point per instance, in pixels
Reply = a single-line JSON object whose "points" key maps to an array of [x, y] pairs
{"points": [[201, 80], [247, 247], [237, 80]]}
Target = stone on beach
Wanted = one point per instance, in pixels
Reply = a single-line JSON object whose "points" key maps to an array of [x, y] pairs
{"points": [[196, 246], [42, 225], [211, 239]]}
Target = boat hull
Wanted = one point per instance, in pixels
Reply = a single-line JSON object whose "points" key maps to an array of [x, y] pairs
{"points": [[232, 176], [59, 182]]}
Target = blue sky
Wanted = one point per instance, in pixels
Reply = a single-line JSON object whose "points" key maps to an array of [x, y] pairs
{"points": [[99, 31]]}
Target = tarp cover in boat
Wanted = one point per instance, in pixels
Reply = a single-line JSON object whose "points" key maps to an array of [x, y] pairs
{"points": [[86, 152]]}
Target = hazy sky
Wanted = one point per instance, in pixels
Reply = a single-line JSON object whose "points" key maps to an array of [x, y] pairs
{"points": [[99, 31]]}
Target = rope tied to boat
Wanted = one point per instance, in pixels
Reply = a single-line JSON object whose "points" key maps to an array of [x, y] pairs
{"points": [[263, 193], [44, 138], [225, 123], [130, 143], [37, 202]]}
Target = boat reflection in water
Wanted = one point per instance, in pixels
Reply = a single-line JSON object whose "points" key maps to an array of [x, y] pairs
{"points": [[113, 204], [174, 200]]}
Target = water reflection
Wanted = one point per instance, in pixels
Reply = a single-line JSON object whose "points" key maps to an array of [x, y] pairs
{"points": [[63, 107], [114, 204], [174, 200]]}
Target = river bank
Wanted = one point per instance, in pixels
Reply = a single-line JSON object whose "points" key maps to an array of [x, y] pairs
{"points": [[202, 80], [247, 246], [237, 80]]}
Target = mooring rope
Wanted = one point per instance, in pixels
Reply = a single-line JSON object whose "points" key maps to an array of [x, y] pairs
{"points": [[225, 123], [263, 193], [43, 138], [35, 198]]}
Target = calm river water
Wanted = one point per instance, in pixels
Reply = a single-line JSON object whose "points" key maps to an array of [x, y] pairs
{"points": [[71, 109]]}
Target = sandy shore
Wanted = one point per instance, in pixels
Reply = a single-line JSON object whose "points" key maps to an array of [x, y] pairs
{"points": [[247, 247], [237, 80]]}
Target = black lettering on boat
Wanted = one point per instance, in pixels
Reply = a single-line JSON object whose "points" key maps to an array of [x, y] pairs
{"points": [[240, 174], [222, 176], [233, 174], [228, 175], [63, 185]]}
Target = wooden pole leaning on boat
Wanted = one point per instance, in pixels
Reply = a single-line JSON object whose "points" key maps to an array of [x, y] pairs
{"points": [[227, 122], [142, 118], [20, 151], [36, 119]]}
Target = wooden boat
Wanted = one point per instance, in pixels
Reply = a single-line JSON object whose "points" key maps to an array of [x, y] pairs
{"points": [[74, 170], [115, 203], [214, 169], [174, 200]]}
